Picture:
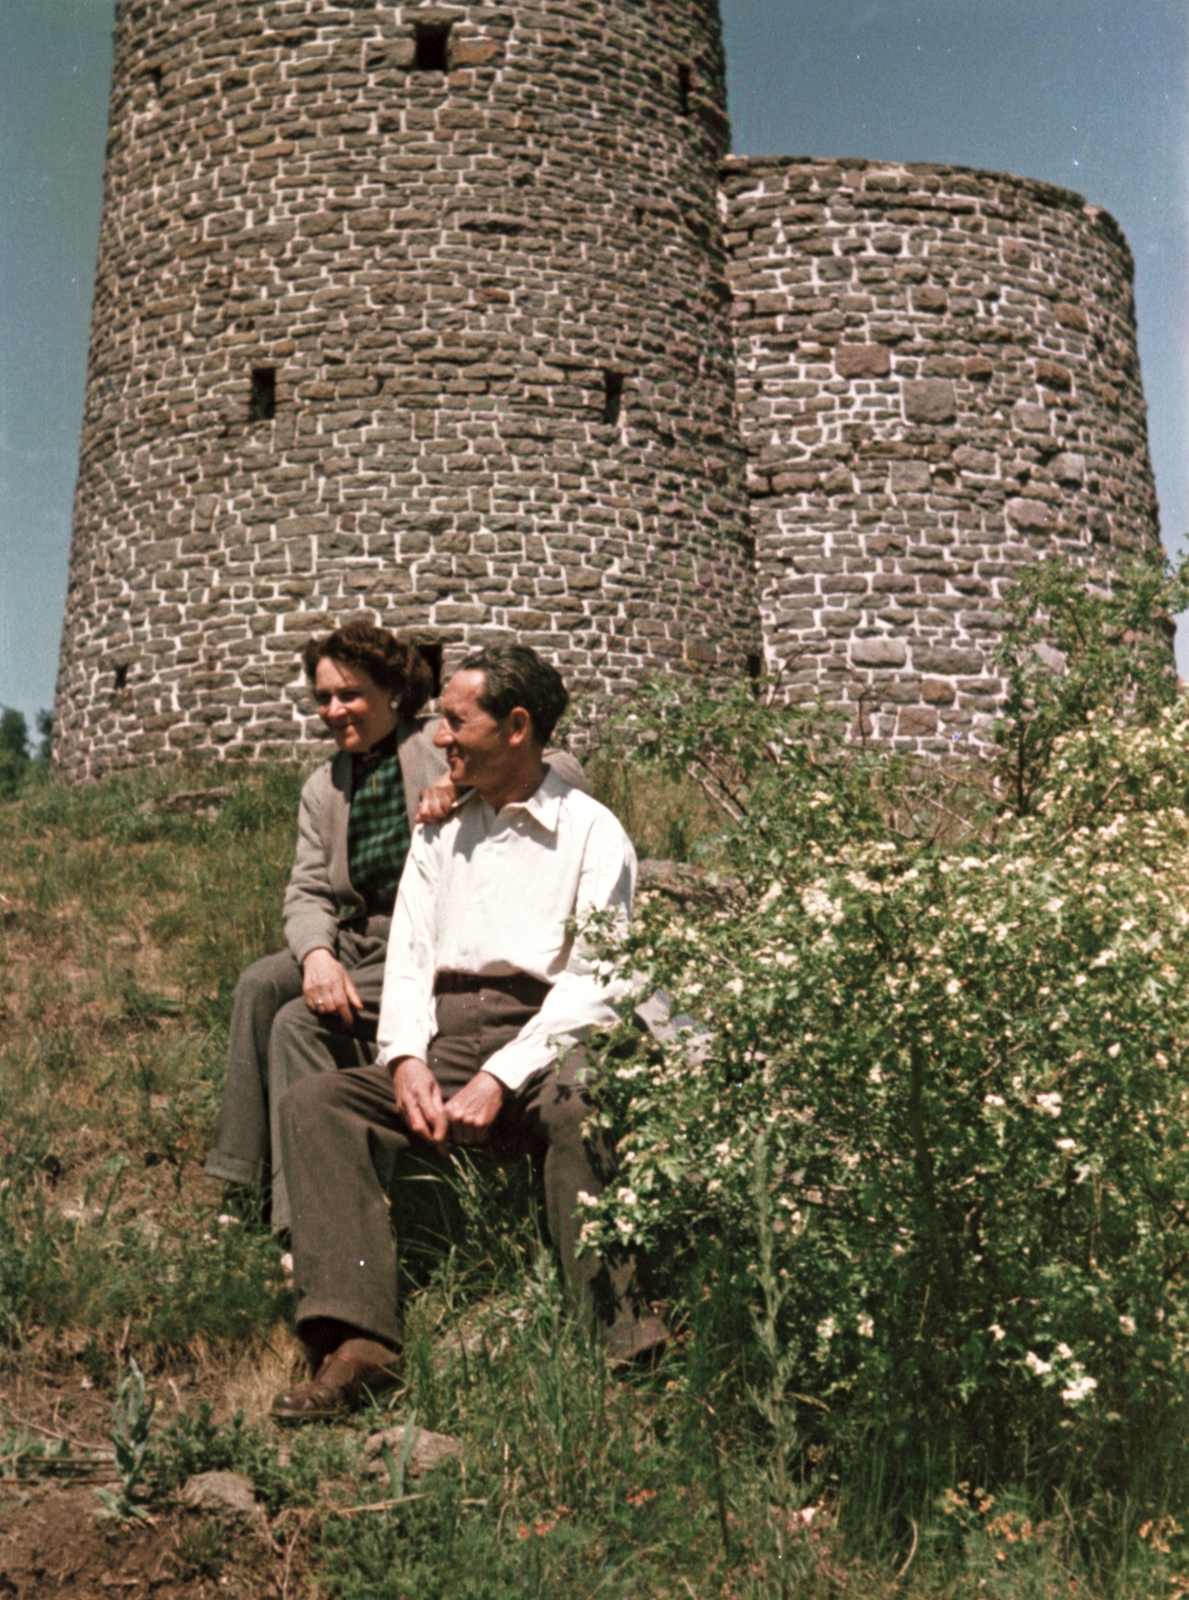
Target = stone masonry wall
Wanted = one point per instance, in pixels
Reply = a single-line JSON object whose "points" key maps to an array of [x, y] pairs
{"points": [[937, 382], [412, 310]]}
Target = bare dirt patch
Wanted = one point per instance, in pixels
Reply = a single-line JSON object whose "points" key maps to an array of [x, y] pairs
{"points": [[51, 1543]]}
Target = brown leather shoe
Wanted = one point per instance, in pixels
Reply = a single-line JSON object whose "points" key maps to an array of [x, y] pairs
{"points": [[347, 1378]]}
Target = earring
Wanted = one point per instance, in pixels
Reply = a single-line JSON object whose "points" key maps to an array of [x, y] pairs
{"points": [[394, 705]]}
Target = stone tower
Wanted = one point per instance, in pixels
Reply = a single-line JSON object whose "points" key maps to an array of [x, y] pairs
{"points": [[938, 382], [462, 317], [412, 309]]}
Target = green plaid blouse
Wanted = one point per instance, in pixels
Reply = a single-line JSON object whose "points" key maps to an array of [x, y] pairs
{"points": [[378, 836]]}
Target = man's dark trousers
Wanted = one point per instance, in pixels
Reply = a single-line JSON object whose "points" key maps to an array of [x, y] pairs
{"points": [[343, 1145]]}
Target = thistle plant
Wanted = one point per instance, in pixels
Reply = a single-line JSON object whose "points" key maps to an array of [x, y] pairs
{"points": [[132, 1416]]}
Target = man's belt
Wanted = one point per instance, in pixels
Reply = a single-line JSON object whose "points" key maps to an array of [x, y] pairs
{"points": [[528, 990]]}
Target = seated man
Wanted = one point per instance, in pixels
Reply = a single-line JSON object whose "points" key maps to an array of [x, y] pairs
{"points": [[481, 983]]}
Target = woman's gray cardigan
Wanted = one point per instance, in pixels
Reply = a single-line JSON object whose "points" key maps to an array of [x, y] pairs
{"points": [[319, 897]]}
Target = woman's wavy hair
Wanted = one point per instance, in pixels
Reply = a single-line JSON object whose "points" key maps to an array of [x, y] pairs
{"points": [[396, 667]]}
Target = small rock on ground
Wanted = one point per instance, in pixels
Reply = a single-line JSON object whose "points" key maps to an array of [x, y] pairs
{"points": [[223, 1494], [429, 1450], [187, 802]]}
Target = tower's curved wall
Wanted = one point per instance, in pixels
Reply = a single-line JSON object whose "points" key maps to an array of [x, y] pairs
{"points": [[486, 309], [937, 382]]}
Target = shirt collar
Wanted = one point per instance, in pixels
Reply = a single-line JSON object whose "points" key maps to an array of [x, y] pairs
{"points": [[543, 805]]}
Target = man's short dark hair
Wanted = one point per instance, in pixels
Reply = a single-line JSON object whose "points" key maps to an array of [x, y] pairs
{"points": [[515, 676]]}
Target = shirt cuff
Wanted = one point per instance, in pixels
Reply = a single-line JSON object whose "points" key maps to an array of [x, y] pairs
{"points": [[403, 1047], [516, 1062]]}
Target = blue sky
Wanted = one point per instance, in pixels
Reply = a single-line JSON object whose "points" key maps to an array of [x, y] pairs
{"points": [[1091, 94]]}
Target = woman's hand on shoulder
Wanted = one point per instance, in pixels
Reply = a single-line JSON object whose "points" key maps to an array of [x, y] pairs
{"points": [[437, 802]]}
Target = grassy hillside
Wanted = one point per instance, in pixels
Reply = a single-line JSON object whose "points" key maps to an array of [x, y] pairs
{"points": [[126, 913]]}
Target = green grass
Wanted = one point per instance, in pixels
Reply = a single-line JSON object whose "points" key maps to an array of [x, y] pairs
{"points": [[668, 820], [121, 936]]}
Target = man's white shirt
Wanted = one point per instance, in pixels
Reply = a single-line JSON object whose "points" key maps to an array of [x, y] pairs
{"points": [[492, 892]]}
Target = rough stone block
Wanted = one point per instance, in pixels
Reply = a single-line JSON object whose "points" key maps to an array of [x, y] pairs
{"points": [[878, 652], [1069, 467], [473, 52], [937, 692], [1030, 516], [946, 661], [1072, 316], [1029, 418], [910, 477], [929, 299], [1054, 376], [980, 462], [862, 361], [929, 400]]}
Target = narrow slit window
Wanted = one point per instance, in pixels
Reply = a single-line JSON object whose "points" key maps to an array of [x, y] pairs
{"points": [[432, 38], [685, 84], [612, 395], [121, 676], [157, 79], [263, 403]]}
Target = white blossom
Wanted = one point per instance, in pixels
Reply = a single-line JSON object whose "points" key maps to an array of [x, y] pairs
{"points": [[1078, 1388], [819, 906]]}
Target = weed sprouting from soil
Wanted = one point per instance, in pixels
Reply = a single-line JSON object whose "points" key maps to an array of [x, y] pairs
{"points": [[132, 1421]]}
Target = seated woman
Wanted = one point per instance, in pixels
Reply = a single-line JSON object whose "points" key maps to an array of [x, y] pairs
{"points": [[314, 1006]]}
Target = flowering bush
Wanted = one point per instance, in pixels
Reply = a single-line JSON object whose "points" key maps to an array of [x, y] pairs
{"points": [[933, 1112]]}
